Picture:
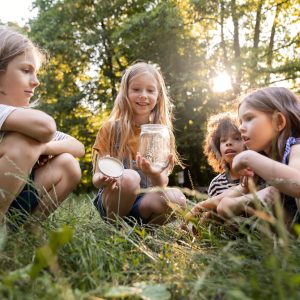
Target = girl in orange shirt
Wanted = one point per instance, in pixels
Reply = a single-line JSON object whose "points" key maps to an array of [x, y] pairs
{"points": [[142, 99]]}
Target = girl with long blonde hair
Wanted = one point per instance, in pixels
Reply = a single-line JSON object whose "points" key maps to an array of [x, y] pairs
{"points": [[142, 99]]}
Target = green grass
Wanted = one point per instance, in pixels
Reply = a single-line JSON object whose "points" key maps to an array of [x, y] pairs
{"points": [[75, 255]]}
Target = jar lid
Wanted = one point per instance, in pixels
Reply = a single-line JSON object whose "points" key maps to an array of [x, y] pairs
{"points": [[110, 166]]}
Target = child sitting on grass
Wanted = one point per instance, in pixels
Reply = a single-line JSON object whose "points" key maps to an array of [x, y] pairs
{"points": [[223, 142], [38, 165], [271, 133], [142, 99]]}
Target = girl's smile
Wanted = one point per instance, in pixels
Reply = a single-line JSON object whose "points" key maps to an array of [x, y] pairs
{"points": [[143, 95]]}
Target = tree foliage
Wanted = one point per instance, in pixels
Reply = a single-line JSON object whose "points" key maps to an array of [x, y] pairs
{"points": [[91, 42]]}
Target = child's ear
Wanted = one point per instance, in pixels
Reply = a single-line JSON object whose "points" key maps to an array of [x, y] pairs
{"points": [[280, 121]]}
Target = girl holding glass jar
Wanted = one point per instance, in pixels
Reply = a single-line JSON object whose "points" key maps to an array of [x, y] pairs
{"points": [[142, 101]]}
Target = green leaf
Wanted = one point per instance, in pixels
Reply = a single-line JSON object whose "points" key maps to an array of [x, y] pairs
{"points": [[156, 292], [122, 291], [60, 237], [46, 256], [237, 295]]}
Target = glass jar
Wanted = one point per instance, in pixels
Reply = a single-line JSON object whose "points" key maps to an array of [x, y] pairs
{"points": [[155, 144]]}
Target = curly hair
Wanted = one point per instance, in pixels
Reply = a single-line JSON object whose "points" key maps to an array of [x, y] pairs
{"points": [[218, 126]]}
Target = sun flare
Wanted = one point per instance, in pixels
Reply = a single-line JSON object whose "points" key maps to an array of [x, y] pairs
{"points": [[221, 83]]}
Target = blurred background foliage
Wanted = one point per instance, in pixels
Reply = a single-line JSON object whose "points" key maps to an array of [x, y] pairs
{"points": [[89, 43]]}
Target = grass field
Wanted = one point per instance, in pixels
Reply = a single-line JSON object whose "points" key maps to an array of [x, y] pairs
{"points": [[75, 255]]}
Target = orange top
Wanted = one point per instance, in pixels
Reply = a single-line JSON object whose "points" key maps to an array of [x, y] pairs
{"points": [[102, 142]]}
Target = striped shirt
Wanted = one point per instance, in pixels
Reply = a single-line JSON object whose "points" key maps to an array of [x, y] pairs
{"points": [[6, 110], [221, 183]]}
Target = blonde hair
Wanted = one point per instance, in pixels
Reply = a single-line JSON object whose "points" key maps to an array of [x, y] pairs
{"points": [[13, 44], [277, 99], [219, 125], [123, 114]]}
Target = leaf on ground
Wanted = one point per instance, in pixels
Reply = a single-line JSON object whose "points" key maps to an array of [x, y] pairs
{"points": [[122, 291], [237, 295], [141, 289], [154, 291]]}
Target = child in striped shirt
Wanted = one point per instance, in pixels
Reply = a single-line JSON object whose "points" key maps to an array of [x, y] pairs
{"points": [[223, 142]]}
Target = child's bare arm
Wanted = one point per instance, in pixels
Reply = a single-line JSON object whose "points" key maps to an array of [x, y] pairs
{"points": [[234, 206], [212, 203], [69, 145], [286, 178], [31, 122]]}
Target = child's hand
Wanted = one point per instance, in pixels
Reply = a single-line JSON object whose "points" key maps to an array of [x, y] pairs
{"points": [[202, 213], [239, 164], [204, 206], [43, 159], [148, 169], [106, 181]]}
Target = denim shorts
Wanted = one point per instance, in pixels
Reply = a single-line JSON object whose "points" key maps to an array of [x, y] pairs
{"points": [[24, 204], [133, 215], [291, 207]]}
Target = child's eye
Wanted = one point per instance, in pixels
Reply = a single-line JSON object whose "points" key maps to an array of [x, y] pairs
{"points": [[26, 71], [248, 118]]}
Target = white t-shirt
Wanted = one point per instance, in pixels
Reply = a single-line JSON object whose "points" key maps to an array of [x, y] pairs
{"points": [[6, 110]]}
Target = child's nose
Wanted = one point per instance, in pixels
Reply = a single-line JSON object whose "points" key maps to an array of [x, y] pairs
{"points": [[144, 94], [241, 128], [34, 81]]}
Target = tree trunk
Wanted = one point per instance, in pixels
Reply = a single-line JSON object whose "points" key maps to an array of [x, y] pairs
{"points": [[236, 49], [254, 56], [271, 43], [223, 44], [109, 59]]}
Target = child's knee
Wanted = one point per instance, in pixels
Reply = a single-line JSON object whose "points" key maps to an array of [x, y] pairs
{"points": [[130, 179], [70, 166]]}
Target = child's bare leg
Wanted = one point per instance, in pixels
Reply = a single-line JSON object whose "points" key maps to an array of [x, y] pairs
{"points": [[18, 154], [119, 201], [154, 205], [54, 182]]}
